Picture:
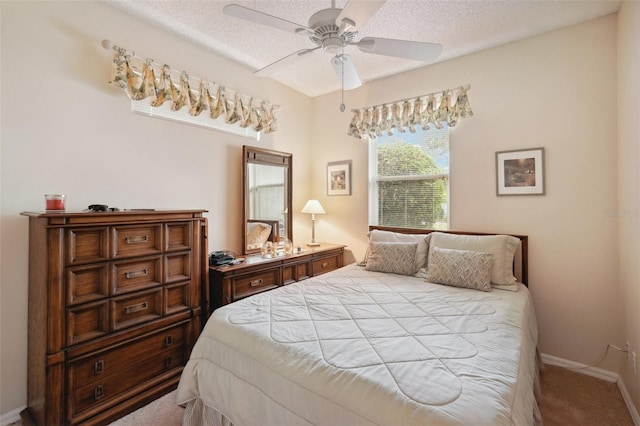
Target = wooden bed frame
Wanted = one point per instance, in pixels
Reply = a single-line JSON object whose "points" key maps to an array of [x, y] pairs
{"points": [[520, 263]]}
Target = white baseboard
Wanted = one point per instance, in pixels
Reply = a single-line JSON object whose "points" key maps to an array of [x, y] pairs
{"points": [[629, 402], [597, 373], [11, 417]]}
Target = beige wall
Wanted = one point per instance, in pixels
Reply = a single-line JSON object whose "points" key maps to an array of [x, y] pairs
{"points": [[65, 130], [556, 90], [629, 181]]}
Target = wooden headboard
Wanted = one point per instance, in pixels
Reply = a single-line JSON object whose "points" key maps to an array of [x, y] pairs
{"points": [[521, 260]]}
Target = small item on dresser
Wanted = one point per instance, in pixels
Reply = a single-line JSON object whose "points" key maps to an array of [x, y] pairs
{"points": [[54, 202], [98, 207], [101, 208], [221, 257]]}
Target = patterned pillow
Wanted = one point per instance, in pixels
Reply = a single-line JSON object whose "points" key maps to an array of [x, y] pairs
{"points": [[394, 258], [257, 234], [460, 268], [503, 248], [381, 236]]}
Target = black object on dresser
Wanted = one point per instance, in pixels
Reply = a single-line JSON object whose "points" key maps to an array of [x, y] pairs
{"points": [[116, 302]]}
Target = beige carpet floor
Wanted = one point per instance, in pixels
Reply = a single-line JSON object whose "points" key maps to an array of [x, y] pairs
{"points": [[568, 398], [571, 398]]}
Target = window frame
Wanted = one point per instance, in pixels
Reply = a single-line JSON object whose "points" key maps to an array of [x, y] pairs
{"points": [[374, 179]]}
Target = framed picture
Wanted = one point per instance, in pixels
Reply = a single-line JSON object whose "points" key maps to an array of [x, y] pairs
{"points": [[339, 178], [520, 172]]}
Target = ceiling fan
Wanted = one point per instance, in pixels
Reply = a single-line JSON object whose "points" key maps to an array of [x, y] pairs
{"points": [[331, 30]]}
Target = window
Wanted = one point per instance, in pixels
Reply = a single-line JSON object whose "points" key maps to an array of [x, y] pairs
{"points": [[409, 179]]}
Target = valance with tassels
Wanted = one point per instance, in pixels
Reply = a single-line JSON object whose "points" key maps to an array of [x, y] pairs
{"points": [[424, 111], [232, 107]]}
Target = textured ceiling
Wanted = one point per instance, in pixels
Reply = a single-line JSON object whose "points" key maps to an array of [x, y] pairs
{"points": [[462, 27]]}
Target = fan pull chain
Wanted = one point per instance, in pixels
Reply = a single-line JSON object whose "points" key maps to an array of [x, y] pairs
{"points": [[342, 107]]}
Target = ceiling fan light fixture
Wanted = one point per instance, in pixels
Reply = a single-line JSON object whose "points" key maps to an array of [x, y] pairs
{"points": [[332, 44], [343, 66]]}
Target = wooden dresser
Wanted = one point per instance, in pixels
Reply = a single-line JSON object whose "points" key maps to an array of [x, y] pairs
{"points": [[114, 310], [257, 274]]}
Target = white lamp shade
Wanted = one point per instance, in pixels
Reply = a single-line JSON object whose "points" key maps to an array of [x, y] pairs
{"points": [[313, 207]]}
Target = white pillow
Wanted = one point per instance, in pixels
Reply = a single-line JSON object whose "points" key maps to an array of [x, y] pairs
{"points": [[503, 248], [395, 237], [460, 268], [394, 258]]}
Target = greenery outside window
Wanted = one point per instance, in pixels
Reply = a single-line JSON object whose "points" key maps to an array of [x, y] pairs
{"points": [[409, 179]]}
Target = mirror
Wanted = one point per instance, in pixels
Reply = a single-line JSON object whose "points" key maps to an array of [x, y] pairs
{"points": [[266, 187]]}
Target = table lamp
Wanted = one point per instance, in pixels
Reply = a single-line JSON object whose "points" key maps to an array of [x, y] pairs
{"points": [[313, 207]]}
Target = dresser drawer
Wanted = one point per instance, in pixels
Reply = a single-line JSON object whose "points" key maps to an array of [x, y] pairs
{"points": [[86, 322], [292, 272], [178, 236], [137, 274], [138, 240], [137, 308], [177, 267], [177, 297], [98, 378], [250, 284], [289, 273], [86, 245], [86, 283], [327, 264], [93, 368]]}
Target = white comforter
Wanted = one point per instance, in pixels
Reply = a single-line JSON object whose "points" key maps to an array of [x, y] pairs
{"points": [[355, 347]]}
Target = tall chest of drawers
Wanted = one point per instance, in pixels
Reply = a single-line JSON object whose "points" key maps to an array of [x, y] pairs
{"points": [[115, 306]]}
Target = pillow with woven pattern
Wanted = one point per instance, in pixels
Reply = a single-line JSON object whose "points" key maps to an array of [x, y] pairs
{"points": [[394, 258], [257, 234], [460, 268], [503, 248], [381, 236]]}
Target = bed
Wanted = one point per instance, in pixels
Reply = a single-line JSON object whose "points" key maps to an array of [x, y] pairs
{"points": [[428, 329]]}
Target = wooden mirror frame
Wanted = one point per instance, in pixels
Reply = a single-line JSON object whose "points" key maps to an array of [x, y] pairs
{"points": [[253, 155]]}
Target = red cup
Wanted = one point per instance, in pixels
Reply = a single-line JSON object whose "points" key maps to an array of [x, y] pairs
{"points": [[54, 202]]}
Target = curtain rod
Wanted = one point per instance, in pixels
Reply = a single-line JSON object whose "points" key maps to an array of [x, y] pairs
{"points": [[465, 88], [110, 46]]}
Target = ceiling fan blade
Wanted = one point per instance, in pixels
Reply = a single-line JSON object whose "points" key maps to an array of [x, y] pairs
{"points": [[356, 13], [419, 51], [283, 63], [342, 63], [261, 18]]}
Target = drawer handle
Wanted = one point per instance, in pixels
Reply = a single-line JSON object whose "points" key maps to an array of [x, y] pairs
{"points": [[98, 392], [255, 283], [98, 367], [136, 240], [168, 361], [168, 340], [136, 308], [136, 274], [325, 264]]}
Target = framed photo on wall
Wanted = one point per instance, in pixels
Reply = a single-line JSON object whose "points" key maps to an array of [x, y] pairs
{"points": [[520, 172], [339, 178]]}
